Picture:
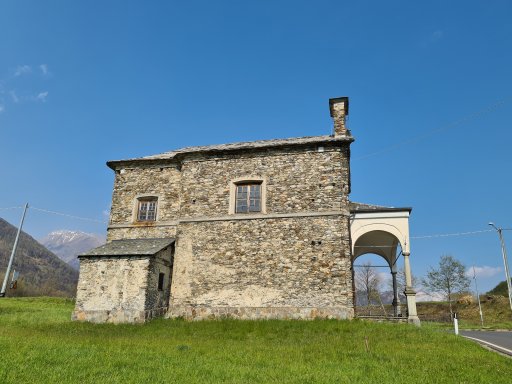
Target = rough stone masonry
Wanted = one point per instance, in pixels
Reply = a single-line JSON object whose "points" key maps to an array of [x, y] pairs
{"points": [[182, 240]]}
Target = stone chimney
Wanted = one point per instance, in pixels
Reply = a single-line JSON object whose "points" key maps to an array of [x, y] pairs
{"points": [[339, 111]]}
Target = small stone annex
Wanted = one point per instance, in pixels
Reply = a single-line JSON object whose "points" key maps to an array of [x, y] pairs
{"points": [[253, 230]]}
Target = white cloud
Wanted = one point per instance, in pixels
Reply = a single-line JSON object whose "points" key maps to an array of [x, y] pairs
{"points": [[14, 97], [484, 271], [42, 96], [22, 70], [44, 69]]}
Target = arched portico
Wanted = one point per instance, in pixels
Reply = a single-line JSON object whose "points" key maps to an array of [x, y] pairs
{"points": [[385, 231]]}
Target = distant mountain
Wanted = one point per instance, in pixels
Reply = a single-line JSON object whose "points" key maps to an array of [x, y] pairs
{"points": [[69, 244], [41, 273]]}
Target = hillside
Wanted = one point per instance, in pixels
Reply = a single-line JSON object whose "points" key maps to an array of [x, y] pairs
{"points": [[67, 245], [41, 272]]}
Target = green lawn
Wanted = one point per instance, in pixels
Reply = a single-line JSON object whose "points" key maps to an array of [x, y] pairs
{"points": [[39, 344]]}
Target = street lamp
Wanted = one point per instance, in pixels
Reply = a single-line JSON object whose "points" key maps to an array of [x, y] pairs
{"points": [[505, 262]]}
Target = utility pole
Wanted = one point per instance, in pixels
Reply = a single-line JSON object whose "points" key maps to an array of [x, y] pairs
{"points": [[505, 262], [8, 272], [478, 298]]}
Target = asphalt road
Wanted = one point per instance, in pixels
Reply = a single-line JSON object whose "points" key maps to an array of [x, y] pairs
{"points": [[501, 341]]}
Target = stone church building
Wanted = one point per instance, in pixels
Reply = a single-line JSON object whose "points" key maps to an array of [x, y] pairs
{"points": [[253, 230]]}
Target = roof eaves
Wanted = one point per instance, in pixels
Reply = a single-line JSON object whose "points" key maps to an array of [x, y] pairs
{"points": [[130, 247], [176, 155]]}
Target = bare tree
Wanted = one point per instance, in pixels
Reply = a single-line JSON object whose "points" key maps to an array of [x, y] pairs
{"points": [[368, 282], [449, 278]]}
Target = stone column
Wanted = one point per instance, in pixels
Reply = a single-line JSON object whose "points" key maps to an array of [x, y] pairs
{"points": [[409, 292]]}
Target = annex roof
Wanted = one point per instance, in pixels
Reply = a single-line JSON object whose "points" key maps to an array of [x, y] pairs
{"points": [[364, 208], [260, 144], [130, 247]]}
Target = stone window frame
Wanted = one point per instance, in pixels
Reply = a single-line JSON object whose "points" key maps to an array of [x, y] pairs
{"points": [[253, 179], [136, 205]]}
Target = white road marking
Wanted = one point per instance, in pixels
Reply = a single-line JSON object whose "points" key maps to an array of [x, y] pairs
{"points": [[491, 344]]}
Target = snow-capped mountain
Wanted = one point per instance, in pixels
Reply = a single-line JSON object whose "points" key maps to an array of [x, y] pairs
{"points": [[68, 244]]}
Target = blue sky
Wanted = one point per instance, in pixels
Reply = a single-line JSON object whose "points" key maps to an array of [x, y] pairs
{"points": [[429, 82]]}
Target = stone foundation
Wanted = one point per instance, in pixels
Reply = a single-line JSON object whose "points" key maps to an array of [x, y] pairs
{"points": [[260, 313], [118, 316]]}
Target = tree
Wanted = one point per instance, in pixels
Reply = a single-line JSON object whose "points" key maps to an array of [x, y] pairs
{"points": [[368, 281], [449, 278]]}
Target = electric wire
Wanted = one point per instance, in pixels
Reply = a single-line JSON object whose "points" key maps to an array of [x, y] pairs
{"points": [[431, 132], [451, 234], [356, 246], [68, 215]]}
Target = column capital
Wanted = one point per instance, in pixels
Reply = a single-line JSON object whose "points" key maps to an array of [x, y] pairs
{"points": [[406, 253]]}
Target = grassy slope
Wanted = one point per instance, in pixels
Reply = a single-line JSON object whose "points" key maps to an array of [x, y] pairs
{"points": [[40, 344], [496, 312]]}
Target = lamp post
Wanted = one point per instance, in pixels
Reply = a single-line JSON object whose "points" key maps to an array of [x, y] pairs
{"points": [[505, 262]]}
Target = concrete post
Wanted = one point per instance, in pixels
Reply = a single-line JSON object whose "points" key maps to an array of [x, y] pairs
{"points": [[410, 294]]}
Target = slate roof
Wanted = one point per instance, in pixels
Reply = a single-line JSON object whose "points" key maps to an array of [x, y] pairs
{"points": [[260, 144], [130, 247], [364, 208]]}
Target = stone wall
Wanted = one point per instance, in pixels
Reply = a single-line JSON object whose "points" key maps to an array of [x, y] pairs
{"points": [[297, 180], [141, 231], [300, 265], [162, 181], [112, 289], [122, 289], [157, 302], [291, 261]]}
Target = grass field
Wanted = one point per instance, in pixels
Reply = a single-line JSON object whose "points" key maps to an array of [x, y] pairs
{"points": [[39, 344]]}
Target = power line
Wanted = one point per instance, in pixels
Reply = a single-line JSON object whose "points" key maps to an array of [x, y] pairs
{"points": [[356, 246], [68, 215], [432, 236], [431, 132], [451, 234]]}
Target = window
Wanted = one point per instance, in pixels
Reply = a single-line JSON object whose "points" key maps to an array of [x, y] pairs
{"points": [[147, 209], [161, 278], [248, 198], [247, 195]]}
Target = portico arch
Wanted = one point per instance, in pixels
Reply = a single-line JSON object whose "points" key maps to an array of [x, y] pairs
{"points": [[384, 231]]}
